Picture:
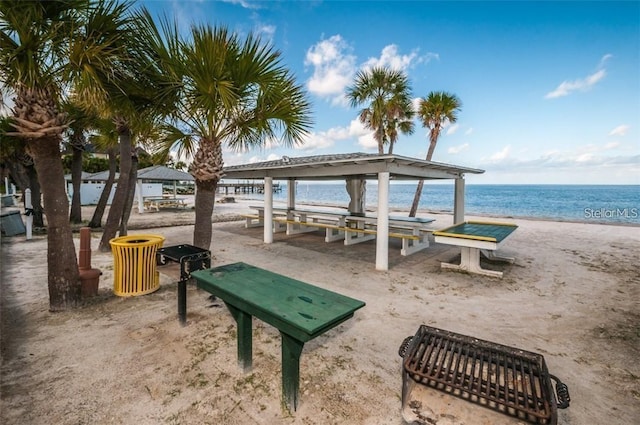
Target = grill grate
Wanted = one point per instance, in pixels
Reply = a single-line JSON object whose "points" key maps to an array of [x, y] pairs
{"points": [[508, 380]]}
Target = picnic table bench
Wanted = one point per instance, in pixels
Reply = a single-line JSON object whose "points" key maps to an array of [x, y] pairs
{"points": [[300, 312], [345, 226], [474, 237], [160, 202]]}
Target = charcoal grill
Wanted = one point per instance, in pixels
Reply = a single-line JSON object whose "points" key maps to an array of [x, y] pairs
{"points": [[190, 258], [505, 379]]}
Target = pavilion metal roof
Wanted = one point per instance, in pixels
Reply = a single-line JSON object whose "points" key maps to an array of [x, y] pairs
{"points": [[361, 165], [155, 173]]}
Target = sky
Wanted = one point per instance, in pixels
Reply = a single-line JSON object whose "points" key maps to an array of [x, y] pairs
{"points": [[550, 91]]}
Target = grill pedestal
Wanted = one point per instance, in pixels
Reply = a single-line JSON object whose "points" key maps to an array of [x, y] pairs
{"points": [[504, 379]]}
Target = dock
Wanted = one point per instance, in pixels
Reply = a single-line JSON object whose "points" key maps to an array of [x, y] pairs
{"points": [[246, 187]]}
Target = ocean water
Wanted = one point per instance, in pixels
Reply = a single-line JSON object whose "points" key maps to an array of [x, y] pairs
{"points": [[583, 203]]}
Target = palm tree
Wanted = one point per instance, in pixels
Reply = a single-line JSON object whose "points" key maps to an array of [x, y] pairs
{"points": [[125, 94], [21, 169], [435, 110], [44, 47], [401, 119], [80, 122], [389, 97], [105, 139], [231, 92]]}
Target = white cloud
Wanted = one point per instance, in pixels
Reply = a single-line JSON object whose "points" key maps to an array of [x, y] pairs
{"points": [[267, 31], [620, 130], [328, 138], [566, 87], [611, 145], [585, 157], [604, 59], [501, 155], [390, 57], [247, 4], [457, 149], [333, 67], [469, 131], [577, 159], [451, 129], [582, 84]]}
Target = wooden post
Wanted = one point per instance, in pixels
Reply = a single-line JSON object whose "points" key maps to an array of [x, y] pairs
{"points": [[291, 351], [245, 347]]}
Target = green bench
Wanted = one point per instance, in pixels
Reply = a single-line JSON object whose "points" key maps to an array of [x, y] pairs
{"points": [[300, 312]]}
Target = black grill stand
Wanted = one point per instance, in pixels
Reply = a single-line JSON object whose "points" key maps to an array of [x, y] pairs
{"points": [[190, 258]]}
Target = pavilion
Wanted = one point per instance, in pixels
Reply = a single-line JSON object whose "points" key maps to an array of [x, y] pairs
{"points": [[353, 168]]}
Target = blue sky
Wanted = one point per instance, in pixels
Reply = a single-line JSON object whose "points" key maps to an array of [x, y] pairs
{"points": [[550, 90]]}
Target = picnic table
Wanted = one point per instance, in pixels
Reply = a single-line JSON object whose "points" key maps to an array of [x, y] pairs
{"points": [[474, 237], [345, 226], [160, 202], [300, 312]]}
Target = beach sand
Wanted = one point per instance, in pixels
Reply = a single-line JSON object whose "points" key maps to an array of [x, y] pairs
{"points": [[572, 295]]}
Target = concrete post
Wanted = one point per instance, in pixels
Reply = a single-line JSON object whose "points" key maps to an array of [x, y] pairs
{"points": [[291, 194], [29, 211], [356, 188], [382, 239], [458, 201], [140, 199], [268, 210]]}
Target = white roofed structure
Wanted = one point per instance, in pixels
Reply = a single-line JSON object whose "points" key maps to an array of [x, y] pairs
{"points": [[353, 167]]}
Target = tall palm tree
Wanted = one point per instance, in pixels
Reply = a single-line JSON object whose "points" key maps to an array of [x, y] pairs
{"points": [[80, 123], [44, 47], [21, 169], [388, 93], [232, 92], [400, 119], [435, 110], [105, 139]]}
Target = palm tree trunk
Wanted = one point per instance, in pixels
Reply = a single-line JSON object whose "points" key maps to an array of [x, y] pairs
{"points": [[63, 279], [36, 197], [96, 220], [380, 140], [416, 199], [131, 190], [433, 137], [120, 197], [204, 202], [76, 181]]}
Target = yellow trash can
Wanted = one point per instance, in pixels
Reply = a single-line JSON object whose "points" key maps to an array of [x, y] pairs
{"points": [[134, 264]]}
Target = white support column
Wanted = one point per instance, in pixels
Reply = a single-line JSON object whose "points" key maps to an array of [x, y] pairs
{"points": [[458, 201], [268, 210], [382, 239], [291, 194], [29, 209], [140, 200]]}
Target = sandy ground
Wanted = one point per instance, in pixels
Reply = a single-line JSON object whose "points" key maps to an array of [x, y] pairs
{"points": [[572, 295]]}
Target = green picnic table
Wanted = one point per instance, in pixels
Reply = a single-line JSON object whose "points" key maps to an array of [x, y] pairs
{"points": [[474, 237], [300, 312]]}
